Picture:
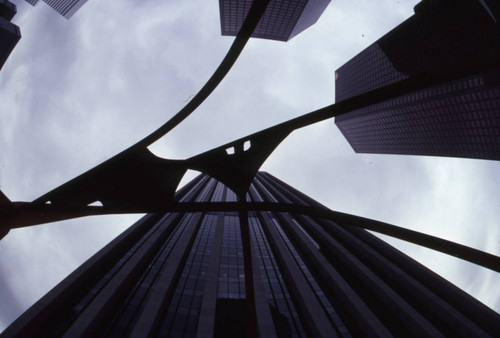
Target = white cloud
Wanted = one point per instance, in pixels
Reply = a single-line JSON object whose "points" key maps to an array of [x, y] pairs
{"points": [[74, 93]]}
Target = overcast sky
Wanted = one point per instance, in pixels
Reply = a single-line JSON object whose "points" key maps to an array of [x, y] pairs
{"points": [[74, 93]]}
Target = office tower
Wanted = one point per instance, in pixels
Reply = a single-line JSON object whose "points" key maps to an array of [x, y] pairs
{"points": [[235, 273], [9, 33], [431, 86], [282, 20], [64, 7]]}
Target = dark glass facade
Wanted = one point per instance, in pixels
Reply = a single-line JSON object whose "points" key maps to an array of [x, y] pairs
{"points": [[456, 109], [9, 33], [281, 21], [64, 7], [458, 119], [257, 273]]}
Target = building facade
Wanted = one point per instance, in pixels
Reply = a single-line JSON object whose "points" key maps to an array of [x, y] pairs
{"points": [[9, 33], [282, 20], [251, 273], [64, 7], [433, 85]]}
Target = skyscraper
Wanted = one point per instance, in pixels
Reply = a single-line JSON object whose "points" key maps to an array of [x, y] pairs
{"points": [[9, 33], [64, 7], [431, 85], [282, 20], [225, 271]]}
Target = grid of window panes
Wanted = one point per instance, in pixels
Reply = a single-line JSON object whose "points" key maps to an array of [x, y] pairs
{"points": [[283, 196], [63, 7], [184, 310], [368, 70], [318, 292], [459, 119], [277, 23], [129, 307], [274, 286], [101, 284], [433, 39], [219, 191], [195, 190], [230, 196], [231, 282], [127, 315], [333, 316], [207, 191]]}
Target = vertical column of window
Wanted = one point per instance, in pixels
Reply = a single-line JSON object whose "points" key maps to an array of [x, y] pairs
{"points": [[275, 289], [206, 319], [184, 310], [356, 315], [430, 303], [270, 20], [318, 292], [62, 7], [328, 308], [54, 312], [126, 316], [239, 15], [186, 189], [320, 238], [230, 195], [193, 191], [232, 272], [290, 194], [253, 195], [73, 314], [218, 193], [287, 196], [279, 192], [291, 17], [149, 320], [207, 191], [453, 295], [312, 315], [258, 186], [389, 306]]}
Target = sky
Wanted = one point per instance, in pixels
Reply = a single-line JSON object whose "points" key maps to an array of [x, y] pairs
{"points": [[74, 93]]}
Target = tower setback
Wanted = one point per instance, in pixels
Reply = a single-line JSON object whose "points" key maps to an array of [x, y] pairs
{"points": [[248, 273]]}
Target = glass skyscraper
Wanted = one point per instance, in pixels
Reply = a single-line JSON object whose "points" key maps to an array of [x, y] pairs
{"points": [[282, 20], [432, 85], [9, 33], [251, 273], [64, 7]]}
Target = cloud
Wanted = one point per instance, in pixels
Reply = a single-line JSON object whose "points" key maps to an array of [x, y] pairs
{"points": [[74, 93]]}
